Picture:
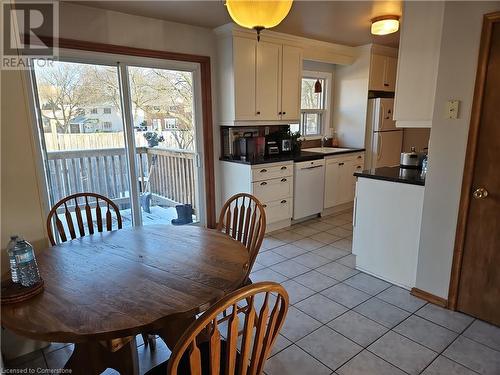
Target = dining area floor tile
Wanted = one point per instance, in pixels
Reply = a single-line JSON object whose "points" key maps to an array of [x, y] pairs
{"points": [[342, 321]]}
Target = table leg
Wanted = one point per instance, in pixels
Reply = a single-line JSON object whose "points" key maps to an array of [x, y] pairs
{"points": [[90, 358], [174, 329]]}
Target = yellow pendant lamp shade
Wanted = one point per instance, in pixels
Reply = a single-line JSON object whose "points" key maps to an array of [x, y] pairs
{"points": [[258, 14]]}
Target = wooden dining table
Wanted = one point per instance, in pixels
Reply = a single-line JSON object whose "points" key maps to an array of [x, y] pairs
{"points": [[104, 289]]}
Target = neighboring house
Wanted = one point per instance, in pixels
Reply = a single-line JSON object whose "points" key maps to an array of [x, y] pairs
{"points": [[104, 118]]}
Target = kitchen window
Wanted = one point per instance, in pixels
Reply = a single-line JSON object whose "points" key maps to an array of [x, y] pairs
{"points": [[314, 104]]}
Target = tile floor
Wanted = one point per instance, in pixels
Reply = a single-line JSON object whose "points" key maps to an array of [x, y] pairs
{"points": [[342, 321]]}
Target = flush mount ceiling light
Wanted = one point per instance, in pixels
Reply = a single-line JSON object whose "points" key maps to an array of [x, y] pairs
{"points": [[385, 25], [258, 14]]}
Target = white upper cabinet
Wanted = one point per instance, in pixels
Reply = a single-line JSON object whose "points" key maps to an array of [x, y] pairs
{"points": [[419, 50], [268, 81], [290, 89], [260, 81], [382, 73], [245, 51]]}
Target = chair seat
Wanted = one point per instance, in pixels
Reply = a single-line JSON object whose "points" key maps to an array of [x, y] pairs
{"points": [[184, 369]]}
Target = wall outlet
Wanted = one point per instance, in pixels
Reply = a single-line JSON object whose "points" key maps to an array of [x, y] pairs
{"points": [[452, 109]]}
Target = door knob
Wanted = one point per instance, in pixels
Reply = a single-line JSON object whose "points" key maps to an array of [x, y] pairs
{"points": [[480, 193]]}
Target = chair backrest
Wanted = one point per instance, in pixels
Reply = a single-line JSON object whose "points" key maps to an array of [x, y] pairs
{"points": [[261, 319], [243, 217], [79, 202]]}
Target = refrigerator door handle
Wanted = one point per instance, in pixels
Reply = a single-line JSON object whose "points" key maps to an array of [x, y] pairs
{"points": [[381, 116], [379, 146]]}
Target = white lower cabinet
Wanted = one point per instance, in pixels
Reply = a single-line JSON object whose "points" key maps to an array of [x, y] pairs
{"points": [[279, 210], [271, 184], [340, 182], [273, 189], [386, 237]]}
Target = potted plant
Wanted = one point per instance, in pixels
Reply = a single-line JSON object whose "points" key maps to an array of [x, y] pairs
{"points": [[153, 138]]}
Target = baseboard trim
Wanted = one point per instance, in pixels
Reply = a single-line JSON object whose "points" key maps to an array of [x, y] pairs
{"points": [[429, 297]]}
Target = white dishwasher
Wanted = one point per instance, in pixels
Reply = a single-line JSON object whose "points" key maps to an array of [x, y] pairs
{"points": [[308, 188]]}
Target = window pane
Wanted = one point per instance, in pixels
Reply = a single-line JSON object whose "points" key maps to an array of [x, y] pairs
{"points": [[162, 103], [83, 133], [311, 123], [294, 127], [310, 99]]}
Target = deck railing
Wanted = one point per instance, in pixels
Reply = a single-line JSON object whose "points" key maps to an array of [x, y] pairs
{"points": [[168, 174]]}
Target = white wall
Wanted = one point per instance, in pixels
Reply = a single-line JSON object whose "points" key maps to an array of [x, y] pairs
{"points": [[350, 95], [456, 78], [415, 137]]}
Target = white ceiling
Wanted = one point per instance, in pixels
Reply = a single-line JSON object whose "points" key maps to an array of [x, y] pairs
{"points": [[345, 22]]}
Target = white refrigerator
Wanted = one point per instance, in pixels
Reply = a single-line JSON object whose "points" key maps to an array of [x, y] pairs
{"points": [[383, 140]]}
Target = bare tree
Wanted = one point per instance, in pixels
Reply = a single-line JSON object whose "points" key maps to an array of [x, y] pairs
{"points": [[176, 89], [67, 88], [61, 94]]}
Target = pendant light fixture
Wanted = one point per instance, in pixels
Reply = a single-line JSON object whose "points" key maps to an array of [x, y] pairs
{"points": [[384, 25], [258, 14], [318, 89]]}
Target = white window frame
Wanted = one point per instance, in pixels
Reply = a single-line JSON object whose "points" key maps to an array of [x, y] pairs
{"points": [[325, 113]]}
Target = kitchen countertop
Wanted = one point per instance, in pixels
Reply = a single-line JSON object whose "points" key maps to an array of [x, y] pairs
{"points": [[302, 156], [395, 174]]}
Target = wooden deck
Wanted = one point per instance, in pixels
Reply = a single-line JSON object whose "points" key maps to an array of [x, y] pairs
{"points": [[158, 215]]}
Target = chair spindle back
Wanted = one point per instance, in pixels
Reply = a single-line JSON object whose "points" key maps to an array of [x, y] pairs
{"points": [[243, 218], [259, 308], [82, 202]]}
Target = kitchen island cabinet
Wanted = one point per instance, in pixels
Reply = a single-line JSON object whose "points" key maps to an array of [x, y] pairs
{"points": [[387, 219]]}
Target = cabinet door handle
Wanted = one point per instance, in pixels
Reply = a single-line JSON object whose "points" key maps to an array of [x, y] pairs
{"points": [[279, 113], [283, 180], [264, 205], [341, 164], [283, 201], [257, 113], [358, 167], [263, 170], [263, 183], [386, 84], [283, 168], [284, 113], [359, 156]]}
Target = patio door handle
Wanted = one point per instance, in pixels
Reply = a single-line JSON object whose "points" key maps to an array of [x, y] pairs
{"points": [[197, 160]]}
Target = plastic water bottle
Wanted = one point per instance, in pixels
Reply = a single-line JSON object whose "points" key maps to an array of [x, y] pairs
{"points": [[27, 269], [12, 259]]}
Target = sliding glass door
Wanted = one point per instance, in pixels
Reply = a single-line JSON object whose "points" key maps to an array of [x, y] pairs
{"points": [[162, 103], [124, 130]]}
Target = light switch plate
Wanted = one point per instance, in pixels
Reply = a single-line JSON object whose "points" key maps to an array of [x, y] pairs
{"points": [[452, 109]]}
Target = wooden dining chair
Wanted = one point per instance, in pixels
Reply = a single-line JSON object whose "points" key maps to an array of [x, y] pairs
{"points": [[243, 217], [214, 346], [86, 224]]}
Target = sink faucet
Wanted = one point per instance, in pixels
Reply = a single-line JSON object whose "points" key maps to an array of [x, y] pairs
{"points": [[324, 140]]}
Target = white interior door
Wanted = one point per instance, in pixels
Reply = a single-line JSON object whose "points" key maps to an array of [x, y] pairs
{"points": [[387, 146]]}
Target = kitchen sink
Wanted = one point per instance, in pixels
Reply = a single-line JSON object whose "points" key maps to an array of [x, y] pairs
{"points": [[326, 150]]}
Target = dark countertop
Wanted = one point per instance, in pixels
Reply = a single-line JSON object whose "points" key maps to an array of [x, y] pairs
{"points": [[395, 174], [302, 156]]}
